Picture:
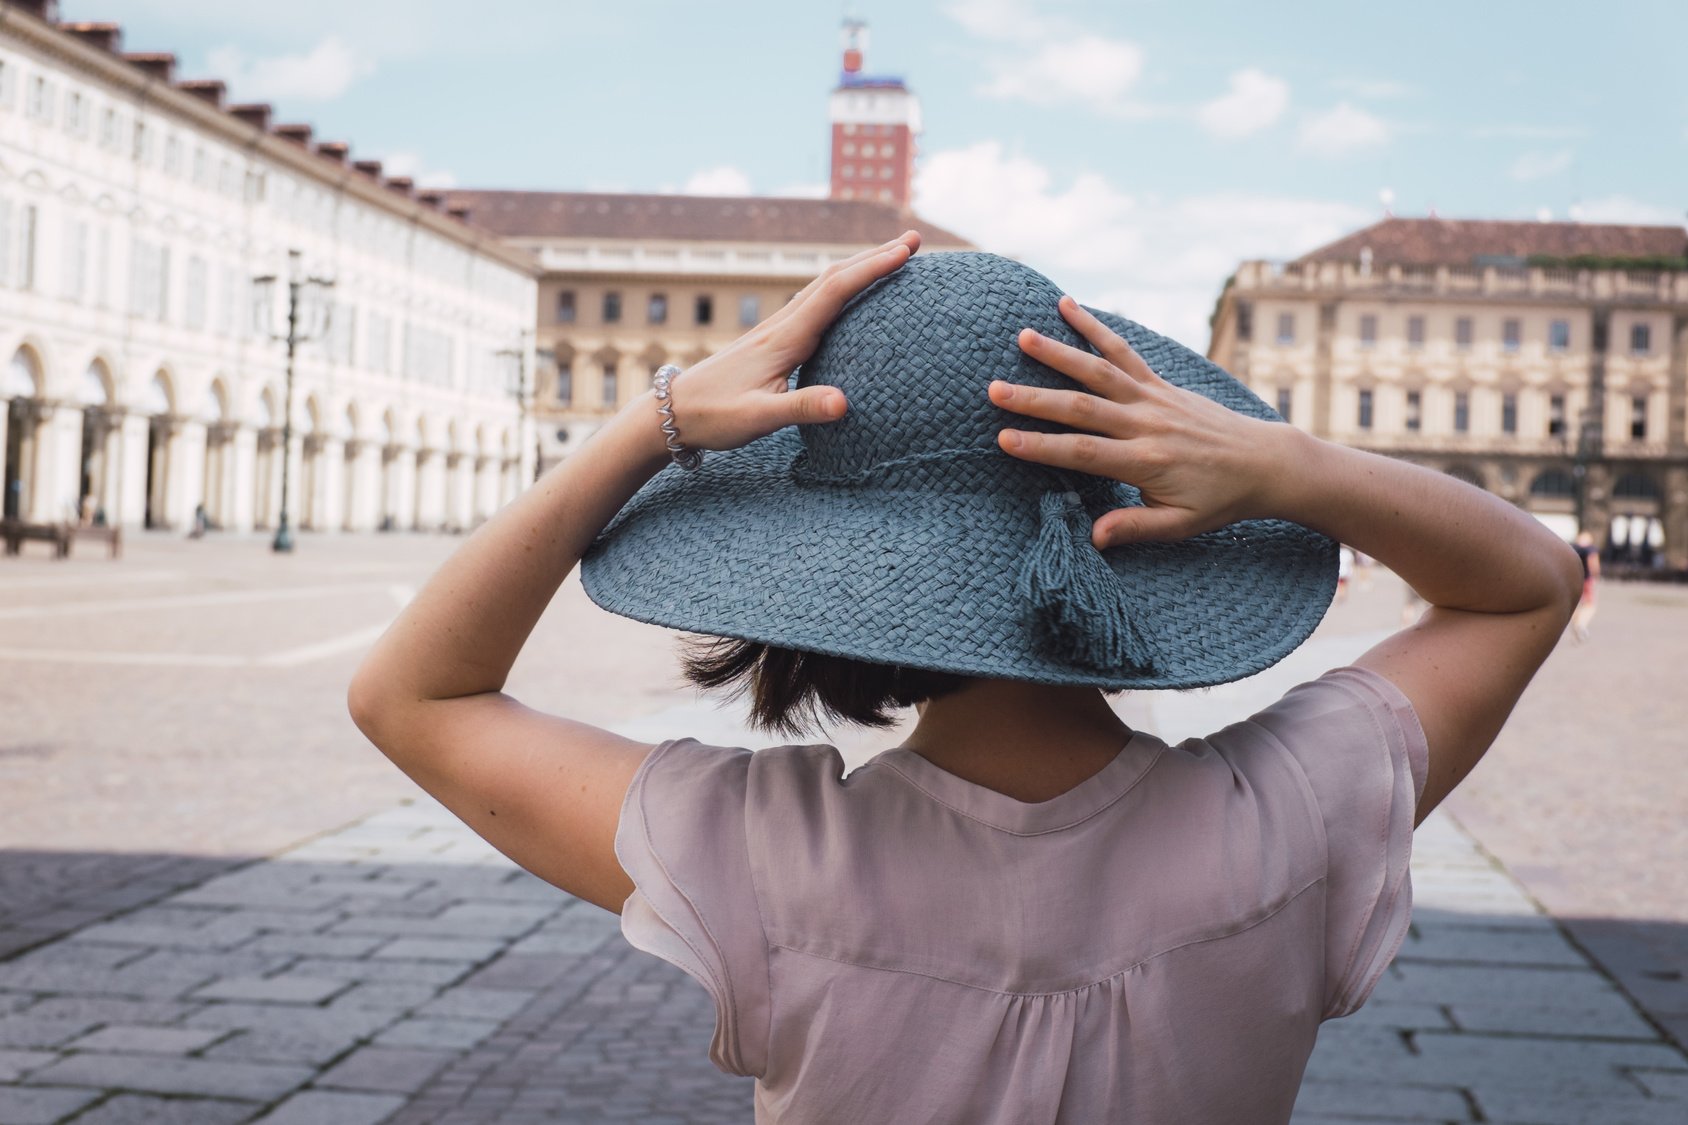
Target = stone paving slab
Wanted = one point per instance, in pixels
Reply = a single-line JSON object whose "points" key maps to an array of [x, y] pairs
{"points": [[540, 1012]]}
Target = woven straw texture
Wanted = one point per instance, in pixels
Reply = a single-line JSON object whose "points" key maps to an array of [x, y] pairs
{"points": [[901, 534]]}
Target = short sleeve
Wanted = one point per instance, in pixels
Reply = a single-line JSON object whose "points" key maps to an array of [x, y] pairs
{"points": [[1360, 746], [681, 840]]}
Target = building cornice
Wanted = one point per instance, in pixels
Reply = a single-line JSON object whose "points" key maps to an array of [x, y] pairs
{"points": [[639, 257], [146, 89]]}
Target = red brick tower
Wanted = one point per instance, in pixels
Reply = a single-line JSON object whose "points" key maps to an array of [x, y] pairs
{"points": [[875, 120]]}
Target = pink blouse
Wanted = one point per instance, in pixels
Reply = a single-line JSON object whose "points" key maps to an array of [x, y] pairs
{"points": [[1159, 943]]}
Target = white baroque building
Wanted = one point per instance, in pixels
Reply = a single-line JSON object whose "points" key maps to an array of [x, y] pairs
{"points": [[139, 377]]}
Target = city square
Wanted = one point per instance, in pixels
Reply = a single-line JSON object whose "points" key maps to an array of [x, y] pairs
{"points": [[218, 902], [259, 378]]}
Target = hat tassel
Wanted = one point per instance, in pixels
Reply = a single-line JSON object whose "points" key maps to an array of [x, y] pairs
{"points": [[1081, 609]]}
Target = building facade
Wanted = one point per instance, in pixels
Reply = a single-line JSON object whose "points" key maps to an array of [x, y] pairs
{"points": [[631, 282], [875, 122], [139, 376], [1545, 362]]}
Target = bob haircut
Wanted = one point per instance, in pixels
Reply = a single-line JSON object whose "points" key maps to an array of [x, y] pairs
{"points": [[792, 691]]}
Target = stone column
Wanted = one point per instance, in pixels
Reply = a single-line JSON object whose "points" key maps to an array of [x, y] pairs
{"points": [[240, 473], [187, 473], [367, 513], [58, 464], [460, 491], [128, 507]]}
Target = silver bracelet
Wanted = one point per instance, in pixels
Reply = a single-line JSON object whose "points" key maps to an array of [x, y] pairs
{"points": [[662, 383]]}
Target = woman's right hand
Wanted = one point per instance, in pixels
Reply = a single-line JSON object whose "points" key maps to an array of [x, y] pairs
{"points": [[1199, 465]]}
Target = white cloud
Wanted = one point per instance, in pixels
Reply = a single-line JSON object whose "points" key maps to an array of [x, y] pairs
{"points": [[321, 74], [1158, 261], [1002, 20], [1088, 70], [1256, 100], [723, 179], [1623, 209], [1527, 132], [1539, 165], [1376, 89], [406, 163], [1341, 130]]}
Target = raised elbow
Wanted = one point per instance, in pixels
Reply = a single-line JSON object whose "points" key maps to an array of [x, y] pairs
{"points": [[1569, 571], [364, 704]]}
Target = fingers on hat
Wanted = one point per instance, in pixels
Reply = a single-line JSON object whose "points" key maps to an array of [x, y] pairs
{"points": [[1079, 409], [1096, 372], [1110, 343], [1085, 453], [1137, 525], [834, 288]]}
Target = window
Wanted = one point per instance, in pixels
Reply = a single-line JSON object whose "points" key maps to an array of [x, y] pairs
{"points": [[139, 149], [868, 151], [1512, 334], [884, 171], [108, 128], [656, 310], [26, 270], [73, 113], [1368, 331], [849, 148], [1638, 417], [172, 156], [1245, 320], [1365, 410], [1286, 328], [1284, 399], [1462, 412], [1640, 339], [1415, 332], [1462, 333], [749, 310], [1559, 335], [1556, 416], [705, 309], [75, 268], [40, 106], [1415, 411], [609, 395], [612, 308], [1509, 413], [565, 383], [193, 311], [849, 130], [849, 171], [565, 306]]}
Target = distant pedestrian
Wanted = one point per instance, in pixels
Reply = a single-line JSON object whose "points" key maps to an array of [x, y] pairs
{"points": [[1589, 554], [1344, 571], [200, 522], [981, 500]]}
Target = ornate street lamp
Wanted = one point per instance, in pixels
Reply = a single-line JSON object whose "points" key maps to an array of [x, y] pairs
{"points": [[306, 300], [518, 387]]}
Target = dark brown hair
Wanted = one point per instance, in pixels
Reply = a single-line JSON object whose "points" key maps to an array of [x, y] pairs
{"points": [[791, 690]]}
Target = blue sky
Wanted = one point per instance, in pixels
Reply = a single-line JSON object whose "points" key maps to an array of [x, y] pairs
{"points": [[1134, 152]]}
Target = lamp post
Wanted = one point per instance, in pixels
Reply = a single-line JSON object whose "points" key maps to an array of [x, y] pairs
{"points": [[518, 387], [298, 287]]}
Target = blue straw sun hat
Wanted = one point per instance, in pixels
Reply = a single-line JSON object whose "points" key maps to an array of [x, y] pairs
{"points": [[901, 534]]}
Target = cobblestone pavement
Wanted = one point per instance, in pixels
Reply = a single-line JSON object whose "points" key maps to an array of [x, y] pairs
{"points": [[400, 971], [170, 719]]}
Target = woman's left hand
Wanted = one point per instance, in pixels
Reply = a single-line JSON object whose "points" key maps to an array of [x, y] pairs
{"points": [[740, 393]]}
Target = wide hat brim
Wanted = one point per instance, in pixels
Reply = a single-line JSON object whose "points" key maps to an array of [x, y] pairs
{"points": [[926, 578]]}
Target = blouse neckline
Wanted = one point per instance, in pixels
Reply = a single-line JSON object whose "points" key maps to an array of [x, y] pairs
{"points": [[1009, 814]]}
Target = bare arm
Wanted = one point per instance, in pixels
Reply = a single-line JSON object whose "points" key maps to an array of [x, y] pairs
{"points": [[544, 789], [1500, 585]]}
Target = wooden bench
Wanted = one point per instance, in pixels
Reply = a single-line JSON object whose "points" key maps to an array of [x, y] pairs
{"points": [[113, 536], [15, 532]]}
